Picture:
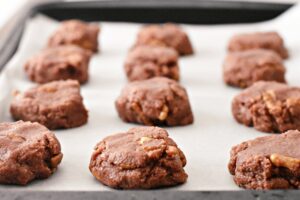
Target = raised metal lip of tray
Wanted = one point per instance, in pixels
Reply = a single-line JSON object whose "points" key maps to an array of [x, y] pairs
{"points": [[151, 11]]}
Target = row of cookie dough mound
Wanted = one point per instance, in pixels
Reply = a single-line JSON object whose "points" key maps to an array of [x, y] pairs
{"points": [[70, 47], [144, 157], [59, 104], [255, 57], [255, 62]]}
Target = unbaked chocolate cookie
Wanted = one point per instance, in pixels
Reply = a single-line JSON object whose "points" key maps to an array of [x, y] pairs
{"points": [[270, 162], [258, 40], [76, 32], [268, 106], [156, 101], [242, 69], [56, 105], [59, 63], [169, 35], [144, 62], [141, 158], [28, 151]]}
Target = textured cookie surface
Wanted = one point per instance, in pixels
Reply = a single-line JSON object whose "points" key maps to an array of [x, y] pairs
{"points": [[156, 101], [169, 35], [145, 62], [56, 105], [141, 158], [242, 69], [59, 63], [28, 151], [258, 40], [270, 162], [76, 32], [268, 106]]}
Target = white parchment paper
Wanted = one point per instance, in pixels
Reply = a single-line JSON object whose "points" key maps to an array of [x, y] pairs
{"points": [[206, 143]]}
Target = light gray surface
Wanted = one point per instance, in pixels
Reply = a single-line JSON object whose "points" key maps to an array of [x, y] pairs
{"points": [[152, 195], [206, 143]]}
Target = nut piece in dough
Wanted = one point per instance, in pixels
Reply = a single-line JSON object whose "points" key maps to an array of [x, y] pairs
{"points": [[278, 160]]}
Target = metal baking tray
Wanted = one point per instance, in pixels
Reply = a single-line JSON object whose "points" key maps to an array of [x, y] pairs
{"points": [[185, 11]]}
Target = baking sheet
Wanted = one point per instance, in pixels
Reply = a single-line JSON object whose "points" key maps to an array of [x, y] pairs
{"points": [[206, 143]]}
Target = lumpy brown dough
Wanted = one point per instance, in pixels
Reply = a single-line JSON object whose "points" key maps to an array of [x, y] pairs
{"points": [[59, 63], [156, 101], [270, 162], [269, 107], [56, 105], [76, 32], [141, 158], [242, 69], [169, 35], [28, 151], [145, 62], [259, 40]]}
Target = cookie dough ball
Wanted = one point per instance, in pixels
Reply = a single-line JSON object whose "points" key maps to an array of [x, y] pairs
{"points": [[258, 40], [145, 62], [28, 151], [76, 32], [156, 101], [268, 106], [141, 158], [242, 69], [56, 105], [169, 35], [270, 162], [59, 63]]}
